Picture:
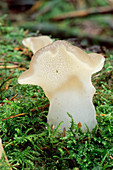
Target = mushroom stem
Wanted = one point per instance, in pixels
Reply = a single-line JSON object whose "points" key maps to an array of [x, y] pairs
{"points": [[75, 99]]}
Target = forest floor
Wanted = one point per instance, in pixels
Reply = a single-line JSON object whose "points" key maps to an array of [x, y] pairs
{"points": [[28, 141]]}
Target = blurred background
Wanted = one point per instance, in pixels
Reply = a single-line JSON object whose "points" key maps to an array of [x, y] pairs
{"points": [[85, 23]]}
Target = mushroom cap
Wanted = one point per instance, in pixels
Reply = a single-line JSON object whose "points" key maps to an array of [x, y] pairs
{"points": [[36, 43], [98, 61], [54, 65]]}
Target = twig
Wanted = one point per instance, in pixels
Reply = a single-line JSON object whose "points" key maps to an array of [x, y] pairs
{"points": [[23, 69], [10, 117], [13, 97], [69, 154], [84, 13], [34, 8], [9, 67], [10, 75], [12, 67], [108, 42], [6, 158], [40, 108], [12, 62], [6, 81], [45, 9]]}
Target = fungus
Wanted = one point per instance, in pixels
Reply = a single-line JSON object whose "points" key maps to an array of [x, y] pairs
{"points": [[64, 72], [35, 43], [1, 150]]}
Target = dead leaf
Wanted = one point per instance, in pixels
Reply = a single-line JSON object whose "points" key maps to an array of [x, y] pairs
{"points": [[101, 114], [7, 87], [79, 125], [64, 132], [53, 127], [111, 157]]}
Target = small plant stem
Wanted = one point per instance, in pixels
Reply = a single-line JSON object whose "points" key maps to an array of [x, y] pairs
{"points": [[9, 67], [10, 75], [64, 132], [69, 154], [12, 67], [5, 82], [10, 117], [15, 63], [84, 13], [6, 158], [13, 97]]}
